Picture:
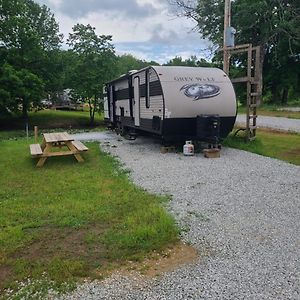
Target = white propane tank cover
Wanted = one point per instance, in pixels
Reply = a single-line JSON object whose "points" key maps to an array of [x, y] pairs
{"points": [[230, 32]]}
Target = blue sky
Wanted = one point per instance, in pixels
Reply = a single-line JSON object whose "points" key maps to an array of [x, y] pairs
{"points": [[146, 29]]}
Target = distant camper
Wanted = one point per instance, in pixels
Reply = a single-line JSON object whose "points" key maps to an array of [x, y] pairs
{"points": [[176, 103]]}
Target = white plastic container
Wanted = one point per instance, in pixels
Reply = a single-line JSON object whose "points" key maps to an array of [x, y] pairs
{"points": [[188, 148]]}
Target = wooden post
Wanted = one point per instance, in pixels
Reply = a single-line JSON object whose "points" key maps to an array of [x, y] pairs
{"points": [[35, 134], [227, 23]]}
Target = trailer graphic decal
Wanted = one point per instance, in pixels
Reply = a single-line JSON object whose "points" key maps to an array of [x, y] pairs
{"points": [[200, 91]]}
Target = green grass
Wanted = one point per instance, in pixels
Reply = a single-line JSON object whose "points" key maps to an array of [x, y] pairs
{"points": [[272, 111], [280, 145], [13, 127], [68, 220], [50, 119]]}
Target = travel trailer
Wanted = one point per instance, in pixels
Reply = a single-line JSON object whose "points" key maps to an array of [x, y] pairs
{"points": [[175, 103]]}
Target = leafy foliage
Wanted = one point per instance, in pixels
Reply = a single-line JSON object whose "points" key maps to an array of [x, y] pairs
{"points": [[193, 61], [128, 62], [95, 64], [28, 33], [272, 24]]}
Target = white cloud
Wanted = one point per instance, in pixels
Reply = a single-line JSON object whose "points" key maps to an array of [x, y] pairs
{"points": [[122, 29], [155, 36]]}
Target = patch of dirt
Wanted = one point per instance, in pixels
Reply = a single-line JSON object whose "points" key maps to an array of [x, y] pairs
{"points": [[82, 244], [5, 273], [159, 263], [85, 244], [64, 242], [293, 153], [276, 131], [271, 130], [170, 260]]}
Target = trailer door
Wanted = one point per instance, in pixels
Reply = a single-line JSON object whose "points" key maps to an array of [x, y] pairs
{"points": [[136, 94], [111, 103], [106, 106]]}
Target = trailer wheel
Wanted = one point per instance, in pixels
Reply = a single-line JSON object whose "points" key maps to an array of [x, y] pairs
{"points": [[123, 130], [120, 129]]}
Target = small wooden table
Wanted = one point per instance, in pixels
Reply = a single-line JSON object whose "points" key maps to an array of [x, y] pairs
{"points": [[57, 141]]}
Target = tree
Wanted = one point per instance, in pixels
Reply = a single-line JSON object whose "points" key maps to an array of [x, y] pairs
{"points": [[176, 61], [95, 64], [127, 62], [19, 85], [193, 61], [28, 32], [272, 24], [9, 84]]}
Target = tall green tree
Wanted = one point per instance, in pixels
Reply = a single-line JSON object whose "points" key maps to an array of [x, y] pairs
{"points": [[96, 63], [274, 25], [28, 33]]}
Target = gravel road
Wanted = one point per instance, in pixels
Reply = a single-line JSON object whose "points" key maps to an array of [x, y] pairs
{"points": [[273, 122], [243, 207]]}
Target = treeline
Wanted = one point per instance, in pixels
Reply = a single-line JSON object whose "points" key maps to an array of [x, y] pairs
{"points": [[33, 63], [34, 66], [274, 25]]}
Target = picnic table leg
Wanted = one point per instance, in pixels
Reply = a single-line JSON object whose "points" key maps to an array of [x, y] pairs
{"points": [[74, 150], [42, 160], [43, 145]]}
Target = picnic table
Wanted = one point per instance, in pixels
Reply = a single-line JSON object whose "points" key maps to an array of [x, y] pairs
{"points": [[61, 142]]}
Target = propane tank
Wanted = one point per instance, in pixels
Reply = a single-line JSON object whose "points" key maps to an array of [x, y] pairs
{"points": [[188, 148]]}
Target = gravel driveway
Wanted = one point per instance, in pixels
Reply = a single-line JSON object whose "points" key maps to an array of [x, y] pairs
{"points": [[243, 207], [273, 122]]}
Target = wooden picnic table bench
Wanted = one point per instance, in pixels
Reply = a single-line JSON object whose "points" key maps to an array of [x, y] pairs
{"points": [[59, 142]]}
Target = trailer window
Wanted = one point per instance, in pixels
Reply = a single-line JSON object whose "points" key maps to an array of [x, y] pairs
{"points": [[147, 89]]}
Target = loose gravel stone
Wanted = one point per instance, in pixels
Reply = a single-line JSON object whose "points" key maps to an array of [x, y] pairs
{"points": [[242, 210], [94, 136]]}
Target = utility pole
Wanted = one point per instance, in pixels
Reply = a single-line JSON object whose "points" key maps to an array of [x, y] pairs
{"points": [[227, 24], [253, 78]]}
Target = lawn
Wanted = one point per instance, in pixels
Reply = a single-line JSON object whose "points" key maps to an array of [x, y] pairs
{"points": [[51, 119], [68, 220], [280, 145], [272, 111]]}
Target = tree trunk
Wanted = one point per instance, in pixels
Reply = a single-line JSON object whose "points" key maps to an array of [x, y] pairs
{"points": [[24, 109], [92, 107], [275, 92], [284, 97], [92, 119], [91, 113], [94, 110]]}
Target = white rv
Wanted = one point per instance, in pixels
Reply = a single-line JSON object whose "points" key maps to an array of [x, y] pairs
{"points": [[176, 103]]}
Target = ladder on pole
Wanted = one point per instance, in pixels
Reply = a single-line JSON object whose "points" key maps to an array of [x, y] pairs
{"points": [[253, 81]]}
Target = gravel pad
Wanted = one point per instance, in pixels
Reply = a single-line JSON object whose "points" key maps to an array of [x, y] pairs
{"points": [[242, 208]]}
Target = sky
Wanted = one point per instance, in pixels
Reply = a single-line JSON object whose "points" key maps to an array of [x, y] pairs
{"points": [[147, 29]]}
